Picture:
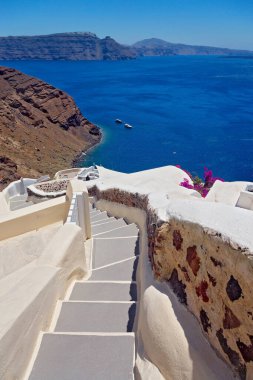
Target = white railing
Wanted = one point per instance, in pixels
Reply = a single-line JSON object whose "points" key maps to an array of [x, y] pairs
{"points": [[17, 188], [79, 208], [245, 199]]}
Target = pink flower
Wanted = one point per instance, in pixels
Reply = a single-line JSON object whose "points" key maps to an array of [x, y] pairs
{"points": [[186, 184], [199, 185], [204, 192]]}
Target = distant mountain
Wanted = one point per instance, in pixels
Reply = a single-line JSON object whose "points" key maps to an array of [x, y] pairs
{"points": [[158, 47], [63, 46], [79, 46]]}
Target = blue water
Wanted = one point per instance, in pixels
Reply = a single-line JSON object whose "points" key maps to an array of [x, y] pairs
{"points": [[191, 111]]}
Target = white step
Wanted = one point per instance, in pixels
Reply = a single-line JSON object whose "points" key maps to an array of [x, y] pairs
{"points": [[96, 316], [85, 357]]}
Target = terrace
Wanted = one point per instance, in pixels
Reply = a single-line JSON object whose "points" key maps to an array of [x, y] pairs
{"points": [[131, 271]]}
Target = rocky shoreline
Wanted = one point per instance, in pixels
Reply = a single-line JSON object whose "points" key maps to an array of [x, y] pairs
{"points": [[76, 161], [42, 130]]}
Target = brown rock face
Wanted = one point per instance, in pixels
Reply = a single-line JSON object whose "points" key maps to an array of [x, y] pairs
{"points": [[186, 275], [246, 351], [205, 320], [230, 321], [177, 239], [215, 262], [233, 289], [178, 287], [201, 291], [232, 355], [8, 171], [193, 259], [212, 279], [41, 128]]}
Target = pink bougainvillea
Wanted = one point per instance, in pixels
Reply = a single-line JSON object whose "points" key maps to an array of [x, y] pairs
{"points": [[202, 186]]}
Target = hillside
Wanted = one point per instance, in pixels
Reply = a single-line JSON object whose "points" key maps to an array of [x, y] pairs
{"points": [[158, 47], [79, 46], [63, 46], [41, 128]]}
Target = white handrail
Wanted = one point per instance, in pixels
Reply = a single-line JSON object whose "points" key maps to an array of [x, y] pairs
{"points": [[79, 208]]}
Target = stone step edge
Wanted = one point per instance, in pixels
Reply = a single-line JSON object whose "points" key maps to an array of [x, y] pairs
{"points": [[95, 214], [105, 221], [83, 333], [102, 219], [106, 226], [105, 281], [67, 333], [108, 222], [99, 302], [98, 214], [115, 263], [116, 237], [96, 218], [114, 229]]}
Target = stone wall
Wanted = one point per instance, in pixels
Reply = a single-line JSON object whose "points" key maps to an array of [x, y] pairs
{"points": [[121, 196], [208, 271], [212, 277]]}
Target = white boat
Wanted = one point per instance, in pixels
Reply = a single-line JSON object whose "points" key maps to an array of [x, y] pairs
{"points": [[128, 126], [118, 121]]}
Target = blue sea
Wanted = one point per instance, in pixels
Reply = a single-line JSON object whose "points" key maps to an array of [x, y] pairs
{"points": [[191, 111]]}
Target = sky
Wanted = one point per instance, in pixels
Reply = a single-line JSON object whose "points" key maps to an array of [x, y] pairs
{"points": [[222, 23]]}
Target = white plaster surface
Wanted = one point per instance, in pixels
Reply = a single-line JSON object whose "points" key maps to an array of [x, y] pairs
{"points": [[65, 250], [24, 312], [220, 219], [21, 250], [165, 179], [233, 223], [28, 296], [36, 268], [34, 217], [245, 200], [169, 199], [4, 208], [67, 173], [172, 337], [168, 335], [191, 357], [12, 280], [78, 200], [226, 192], [17, 187]]}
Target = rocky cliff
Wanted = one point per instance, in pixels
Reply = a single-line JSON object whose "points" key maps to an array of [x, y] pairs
{"points": [[87, 46], [158, 47], [63, 46], [41, 128]]}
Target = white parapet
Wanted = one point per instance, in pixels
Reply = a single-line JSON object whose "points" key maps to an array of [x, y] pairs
{"points": [[246, 198], [203, 248], [31, 218], [78, 198], [68, 173], [28, 299], [17, 187]]}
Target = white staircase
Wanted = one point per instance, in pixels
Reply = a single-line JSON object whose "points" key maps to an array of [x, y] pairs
{"points": [[94, 336]]}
